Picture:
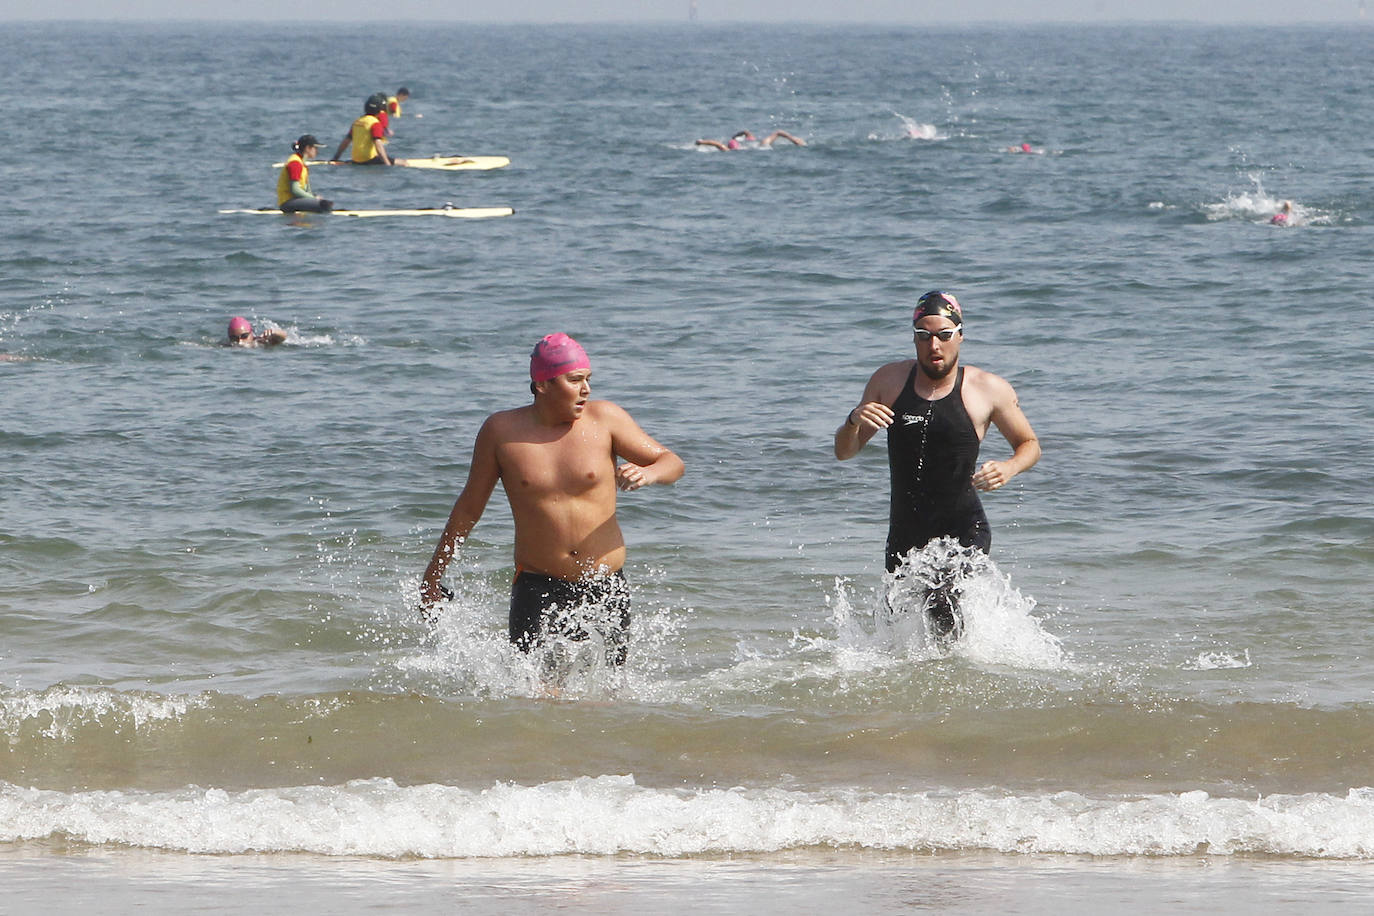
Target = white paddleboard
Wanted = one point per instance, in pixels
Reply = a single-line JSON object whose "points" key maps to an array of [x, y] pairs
{"points": [[445, 163], [456, 212]]}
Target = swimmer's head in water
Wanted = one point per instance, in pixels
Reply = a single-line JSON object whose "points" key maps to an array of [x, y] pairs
{"points": [[1025, 147], [240, 328], [304, 141], [938, 303], [555, 355]]}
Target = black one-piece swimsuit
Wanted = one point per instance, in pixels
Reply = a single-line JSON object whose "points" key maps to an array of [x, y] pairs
{"points": [[932, 449]]}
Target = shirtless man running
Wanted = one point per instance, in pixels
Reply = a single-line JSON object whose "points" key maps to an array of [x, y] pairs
{"points": [[936, 413], [556, 459]]}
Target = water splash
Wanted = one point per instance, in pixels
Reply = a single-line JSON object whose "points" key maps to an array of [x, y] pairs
{"points": [[911, 129], [466, 647], [998, 626], [1256, 205], [1213, 661], [57, 713]]}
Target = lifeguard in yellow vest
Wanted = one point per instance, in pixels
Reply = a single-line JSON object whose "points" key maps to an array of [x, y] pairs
{"points": [[293, 184], [367, 136]]}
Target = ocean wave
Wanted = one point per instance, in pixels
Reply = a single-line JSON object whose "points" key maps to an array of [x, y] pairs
{"points": [[58, 712], [612, 815]]}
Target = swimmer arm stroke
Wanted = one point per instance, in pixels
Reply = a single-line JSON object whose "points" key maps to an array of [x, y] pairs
{"points": [[467, 509], [646, 461]]}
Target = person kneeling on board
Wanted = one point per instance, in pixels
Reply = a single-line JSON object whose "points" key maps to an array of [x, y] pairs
{"points": [[367, 136], [556, 459], [293, 184], [241, 334]]}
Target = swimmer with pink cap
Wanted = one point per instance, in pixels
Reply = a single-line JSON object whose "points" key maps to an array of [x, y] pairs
{"points": [[740, 139], [561, 461], [555, 355], [241, 334]]}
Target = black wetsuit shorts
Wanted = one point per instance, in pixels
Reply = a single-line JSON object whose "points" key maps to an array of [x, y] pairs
{"points": [[543, 605]]}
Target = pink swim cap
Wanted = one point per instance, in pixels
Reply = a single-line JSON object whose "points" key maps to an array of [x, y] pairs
{"points": [[239, 325], [555, 355]]}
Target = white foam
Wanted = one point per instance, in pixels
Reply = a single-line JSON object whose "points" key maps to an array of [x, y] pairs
{"points": [[468, 647], [1211, 661], [911, 129], [296, 337], [58, 711], [1256, 205], [999, 626], [609, 815]]}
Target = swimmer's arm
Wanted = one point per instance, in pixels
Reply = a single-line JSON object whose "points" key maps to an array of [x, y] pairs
{"points": [[467, 509], [1016, 429], [645, 460], [716, 143], [863, 421], [272, 336]]}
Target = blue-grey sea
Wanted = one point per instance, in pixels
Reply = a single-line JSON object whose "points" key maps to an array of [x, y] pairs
{"points": [[216, 694]]}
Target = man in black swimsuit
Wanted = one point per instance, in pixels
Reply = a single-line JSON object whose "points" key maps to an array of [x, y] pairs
{"points": [[936, 413]]}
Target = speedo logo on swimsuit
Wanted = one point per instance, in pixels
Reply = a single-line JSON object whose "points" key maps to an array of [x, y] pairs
{"points": [[912, 420]]}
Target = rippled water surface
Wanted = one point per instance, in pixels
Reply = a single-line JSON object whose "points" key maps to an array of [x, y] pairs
{"points": [[208, 558]]}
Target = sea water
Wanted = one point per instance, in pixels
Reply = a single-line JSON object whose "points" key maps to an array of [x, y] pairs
{"points": [[215, 692]]}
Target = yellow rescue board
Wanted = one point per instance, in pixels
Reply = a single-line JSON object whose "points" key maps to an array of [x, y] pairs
{"points": [[445, 163], [456, 212]]}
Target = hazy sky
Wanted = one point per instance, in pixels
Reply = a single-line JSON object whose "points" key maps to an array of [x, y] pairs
{"points": [[895, 11]]}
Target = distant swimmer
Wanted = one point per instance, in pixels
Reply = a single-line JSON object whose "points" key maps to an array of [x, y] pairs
{"points": [[1025, 148], [241, 334], [293, 183], [1284, 216], [556, 459], [936, 414], [367, 136], [393, 104], [743, 139]]}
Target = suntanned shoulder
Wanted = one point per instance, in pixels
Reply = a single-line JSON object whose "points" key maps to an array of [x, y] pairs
{"points": [[604, 411], [989, 384], [886, 383], [504, 419], [599, 405]]}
